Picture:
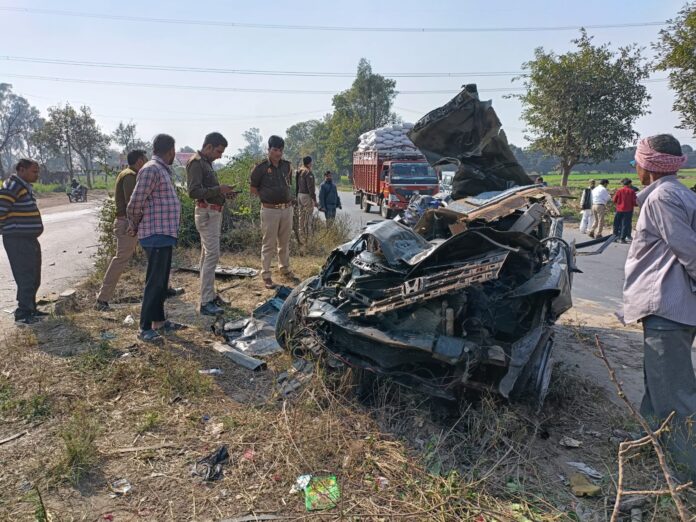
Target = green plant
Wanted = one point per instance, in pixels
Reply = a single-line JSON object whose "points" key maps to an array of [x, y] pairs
{"points": [[180, 378], [150, 421], [107, 238], [80, 451], [96, 358]]}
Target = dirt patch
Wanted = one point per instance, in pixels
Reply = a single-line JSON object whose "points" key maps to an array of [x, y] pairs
{"points": [[397, 455]]}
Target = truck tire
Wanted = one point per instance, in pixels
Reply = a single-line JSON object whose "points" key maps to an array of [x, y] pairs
{"points": [[364, 205], [385, 211]]}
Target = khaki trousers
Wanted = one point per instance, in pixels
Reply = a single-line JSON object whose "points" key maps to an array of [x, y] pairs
{"points": [[598, 212], [208, 224], [276, 224], [125, 248], [306, 212]]}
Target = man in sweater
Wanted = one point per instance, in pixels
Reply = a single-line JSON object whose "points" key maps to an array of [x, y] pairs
{"points": [[660, 293], [205, 189], [329, 200], [20, 227], [153, 214], [625, 201], [125, 243]]}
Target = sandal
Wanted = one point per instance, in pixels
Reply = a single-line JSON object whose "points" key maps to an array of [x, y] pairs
{"points": [[150, 336], [171, 326]]}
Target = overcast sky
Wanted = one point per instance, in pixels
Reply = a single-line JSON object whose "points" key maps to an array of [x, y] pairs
{"points": [[189, 113]]}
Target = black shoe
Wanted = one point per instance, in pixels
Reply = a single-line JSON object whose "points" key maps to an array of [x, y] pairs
{"points": [[40, 313], [211, 309], [171, 326], [150, 336], [219, 301], [102, 306], [27, 319], [173, 292]]}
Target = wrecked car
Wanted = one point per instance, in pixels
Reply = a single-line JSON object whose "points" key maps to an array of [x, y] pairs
{"points": [[465, 299]]}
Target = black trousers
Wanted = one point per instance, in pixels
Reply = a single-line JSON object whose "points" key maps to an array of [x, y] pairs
{"points": [[24, 254], [623, 222], [159, 263]]}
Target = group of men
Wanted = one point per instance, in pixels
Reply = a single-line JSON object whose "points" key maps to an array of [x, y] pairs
{"points": [[660, 272], [594, 202]]}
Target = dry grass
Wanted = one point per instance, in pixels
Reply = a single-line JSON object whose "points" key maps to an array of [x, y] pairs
{"points": [[401, 457]]}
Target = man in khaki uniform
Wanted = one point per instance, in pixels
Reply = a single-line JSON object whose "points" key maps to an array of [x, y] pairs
{"points": [[306, 196], [270, 181], [204, 187], [125, 243]]}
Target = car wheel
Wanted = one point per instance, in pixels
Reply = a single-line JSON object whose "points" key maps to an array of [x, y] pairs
{"points": [[287, 321], [364, 205], [384, 210]]}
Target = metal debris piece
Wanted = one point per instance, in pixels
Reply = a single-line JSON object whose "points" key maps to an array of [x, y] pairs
{"points": [[582, 487], [569, 442], [120, 487], [225, 271], [243, 360], [209, 468], [587, 470]]}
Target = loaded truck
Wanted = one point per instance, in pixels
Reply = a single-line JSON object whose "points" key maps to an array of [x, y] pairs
{"points": [[387, 180]]}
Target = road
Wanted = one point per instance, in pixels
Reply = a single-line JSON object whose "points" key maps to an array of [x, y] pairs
{"points": [[600, 283], [68, 243]]}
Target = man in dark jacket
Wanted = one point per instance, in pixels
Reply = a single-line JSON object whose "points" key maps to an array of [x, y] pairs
{"points": [[20, 227], [329, 200], [586, 208]]}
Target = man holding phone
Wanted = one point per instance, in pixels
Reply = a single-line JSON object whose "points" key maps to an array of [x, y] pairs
{"points": [[204, 187]]}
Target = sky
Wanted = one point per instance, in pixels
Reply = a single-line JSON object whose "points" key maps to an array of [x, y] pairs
{"points": [[38, 32]]}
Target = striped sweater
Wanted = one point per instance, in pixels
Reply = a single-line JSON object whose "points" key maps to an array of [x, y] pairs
{"points": [[19, 214]]}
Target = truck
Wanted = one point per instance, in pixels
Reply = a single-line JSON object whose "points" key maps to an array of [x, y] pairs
{"points": [[387, 180]]}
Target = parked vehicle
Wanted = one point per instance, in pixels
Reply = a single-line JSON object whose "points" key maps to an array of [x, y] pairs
{"points": [[389, 180]]}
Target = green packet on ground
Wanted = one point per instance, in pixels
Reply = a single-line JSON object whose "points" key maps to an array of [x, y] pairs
{"points": [[322, 493]]}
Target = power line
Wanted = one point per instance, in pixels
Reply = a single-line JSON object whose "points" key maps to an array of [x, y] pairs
{"points": [[250, 90], [252, 72], [246, 25]]}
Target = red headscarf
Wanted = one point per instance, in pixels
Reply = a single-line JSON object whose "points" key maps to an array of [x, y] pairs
{"points": [[654, 161]]}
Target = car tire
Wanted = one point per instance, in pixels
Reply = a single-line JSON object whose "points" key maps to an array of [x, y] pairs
{"points": [[287, 320], [364, 205], [384, 210]]}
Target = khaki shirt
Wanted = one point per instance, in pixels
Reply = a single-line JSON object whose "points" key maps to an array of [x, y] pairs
{"points": [[273, 183], [202, 181], [305, 183], [125, 183]]}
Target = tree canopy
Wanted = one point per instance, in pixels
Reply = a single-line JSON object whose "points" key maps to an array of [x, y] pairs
{"points": [[676, 50], [581, 106]]}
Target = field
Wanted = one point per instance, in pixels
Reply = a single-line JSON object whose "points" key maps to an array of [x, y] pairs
{"points": [[580, 179]]}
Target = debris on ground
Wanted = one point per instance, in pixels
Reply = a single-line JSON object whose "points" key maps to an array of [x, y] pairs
{"points": [[295, 377], [243, 360], [120, 487], [322, 493], [209, 468], [569, 442], [225, 271], [582, 487], [300, 484], [254, 518], [129, 321], [107, 336], [211, 371], [587, 470]]}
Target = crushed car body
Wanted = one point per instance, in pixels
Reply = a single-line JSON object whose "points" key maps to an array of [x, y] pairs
{"points": [[465, 298]]}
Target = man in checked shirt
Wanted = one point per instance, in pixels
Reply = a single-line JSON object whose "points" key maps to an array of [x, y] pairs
{"points": [[153, 214]]}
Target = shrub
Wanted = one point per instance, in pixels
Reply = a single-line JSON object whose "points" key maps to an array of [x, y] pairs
{"points": [[79, 436], [107, 239]]}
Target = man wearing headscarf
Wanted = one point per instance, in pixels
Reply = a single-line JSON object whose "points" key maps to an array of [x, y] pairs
{"points": [[660, 292]]}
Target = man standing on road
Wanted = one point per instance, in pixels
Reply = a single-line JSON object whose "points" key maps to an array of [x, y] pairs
{"points": [[270, 181], [600, 198], [153, 213], [20, 227], [660, 291], [125, 243], [329, 200], [625, 201], [586, 208], [306, 196], [205, 189]]}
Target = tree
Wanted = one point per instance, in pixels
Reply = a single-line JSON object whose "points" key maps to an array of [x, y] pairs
{"points": [[305, 139], [187, 149], [126, 137], [90, 143], [254, 147], [676, 51], [581, 106], [365, 106], [17, 117]]}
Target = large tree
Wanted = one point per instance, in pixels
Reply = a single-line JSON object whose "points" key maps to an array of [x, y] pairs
{"points": [[365, 106], [254, 143], [126, 137], [17, 118], [676, 51], [306, 138], [581, 106]]}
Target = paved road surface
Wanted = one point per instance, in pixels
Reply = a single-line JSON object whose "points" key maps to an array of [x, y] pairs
{"points": [[600, 282], [68, 243]]}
